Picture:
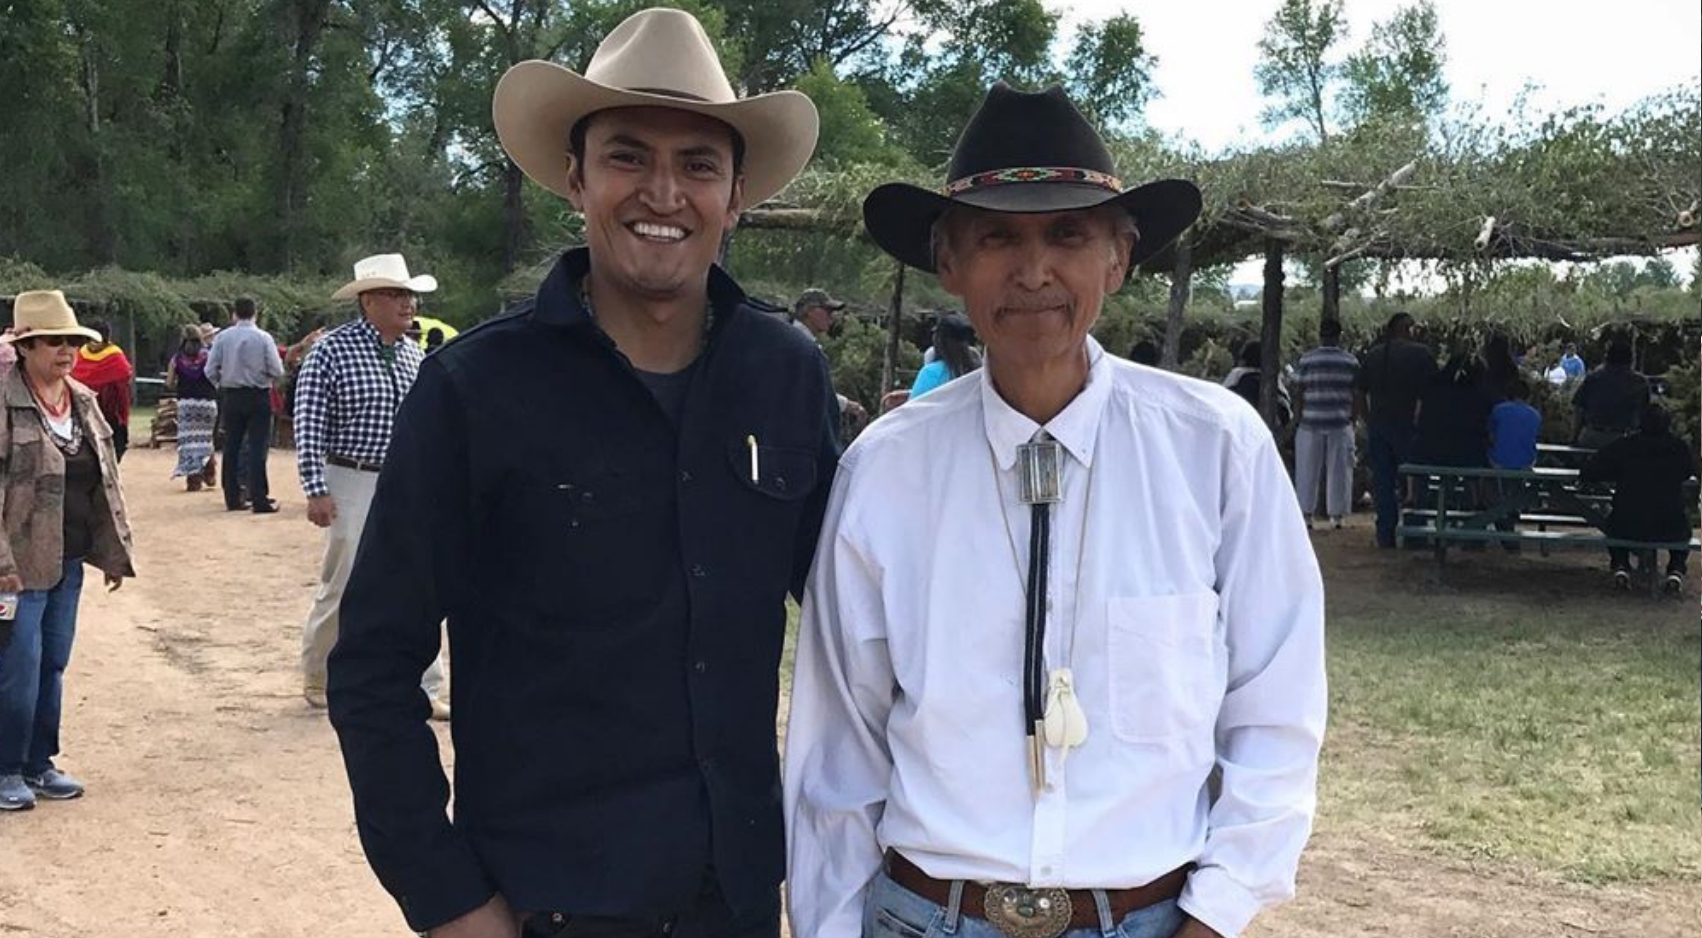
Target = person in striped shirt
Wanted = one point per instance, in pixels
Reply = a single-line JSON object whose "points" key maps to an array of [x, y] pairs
{"points": [[1323, 444]]}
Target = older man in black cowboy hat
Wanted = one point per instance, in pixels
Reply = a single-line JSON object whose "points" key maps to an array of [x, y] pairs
{"points": [[1061, 668], [610, 512]]}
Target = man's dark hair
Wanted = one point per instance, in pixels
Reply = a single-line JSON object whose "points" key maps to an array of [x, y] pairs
{"points": [[104, 328], [244, 307], [434, 338], [1144, 352], [1329, 330], [576, 145], [1619, 352], [1400, 322], [1252, 355]]}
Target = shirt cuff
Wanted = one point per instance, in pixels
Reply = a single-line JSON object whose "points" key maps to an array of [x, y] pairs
{"points": [[1218, 901]]}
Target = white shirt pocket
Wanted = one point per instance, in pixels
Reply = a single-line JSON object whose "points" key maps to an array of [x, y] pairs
{"points": [[1164, 676]]}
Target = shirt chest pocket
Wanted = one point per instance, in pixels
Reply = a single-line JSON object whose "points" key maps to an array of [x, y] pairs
{"points": [[1166, 677], [780, 474]]}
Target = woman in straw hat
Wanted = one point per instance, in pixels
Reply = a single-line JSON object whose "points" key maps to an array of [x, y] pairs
{"points": [[61, 507]]}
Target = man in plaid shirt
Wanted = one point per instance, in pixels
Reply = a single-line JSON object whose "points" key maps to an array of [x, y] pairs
{"points": [[345, 402]]}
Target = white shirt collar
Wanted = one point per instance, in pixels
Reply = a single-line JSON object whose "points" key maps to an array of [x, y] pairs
{"points": [[1076, 426]]}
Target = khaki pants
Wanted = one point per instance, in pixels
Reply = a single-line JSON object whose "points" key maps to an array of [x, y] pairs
{"points": [[1329, 454], [352, 491]]}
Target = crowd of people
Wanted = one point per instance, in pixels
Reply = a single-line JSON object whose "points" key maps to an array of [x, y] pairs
{"points": [[605, 498]]}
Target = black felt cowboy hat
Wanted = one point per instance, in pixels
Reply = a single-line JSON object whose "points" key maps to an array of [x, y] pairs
{"points": [[1027, 152]]}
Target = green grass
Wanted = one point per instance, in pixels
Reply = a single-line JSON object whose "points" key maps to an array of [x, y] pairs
{"points": [[1560, 736]]}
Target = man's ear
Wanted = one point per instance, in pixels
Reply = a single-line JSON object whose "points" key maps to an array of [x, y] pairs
{"points": [[736, 201], [575, 183], [1118, 274]]}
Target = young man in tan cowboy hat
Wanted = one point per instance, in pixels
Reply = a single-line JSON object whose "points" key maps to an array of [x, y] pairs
{"points": [[610, 509], [1052, 603], [346, 396]]}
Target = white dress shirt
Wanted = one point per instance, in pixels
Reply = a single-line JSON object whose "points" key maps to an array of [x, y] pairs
{"points": [[1183, 594]]}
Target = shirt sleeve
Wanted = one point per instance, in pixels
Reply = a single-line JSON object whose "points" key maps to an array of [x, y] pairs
{"points": [[837, 760], [930, 377], [274, 362], [828, 450], [312, 420], [410, 572], [215, 364], [1271, 724]]}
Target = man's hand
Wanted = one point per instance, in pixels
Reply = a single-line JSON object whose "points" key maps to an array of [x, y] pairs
{"points": [[113, 583], [1191, 929], [11, 583], [321, 510], [494, 919]]}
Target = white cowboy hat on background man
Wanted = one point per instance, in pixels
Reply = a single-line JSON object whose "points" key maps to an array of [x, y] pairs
{"points": [[45, 312], [656, 58], [384, 272]]}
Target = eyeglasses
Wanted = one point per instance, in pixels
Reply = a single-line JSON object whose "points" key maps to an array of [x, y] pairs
{"points": [[394, 294], [55, 341]]}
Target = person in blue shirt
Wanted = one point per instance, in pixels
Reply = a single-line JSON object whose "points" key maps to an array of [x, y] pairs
{"points": [[1514, 426], [1572, 364], [954, 354]]}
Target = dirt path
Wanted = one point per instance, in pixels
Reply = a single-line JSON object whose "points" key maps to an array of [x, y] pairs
{"points": [[218, 807]]}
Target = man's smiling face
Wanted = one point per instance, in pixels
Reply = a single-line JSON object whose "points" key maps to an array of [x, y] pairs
{"points": [[659, 190]]}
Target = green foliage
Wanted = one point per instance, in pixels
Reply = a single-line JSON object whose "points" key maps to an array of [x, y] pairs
{"points": [[851, 133], [857, 348], [1397, 76], [1110, 71], [1684, 397], [1295, 67]]}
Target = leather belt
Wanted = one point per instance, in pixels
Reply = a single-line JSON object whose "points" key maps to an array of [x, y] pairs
{"points": [[355, 464], [1032, 912]]}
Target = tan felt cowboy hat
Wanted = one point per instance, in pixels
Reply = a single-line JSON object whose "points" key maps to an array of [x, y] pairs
{"points": [[45, 312], [384, 272], [656, 58]]}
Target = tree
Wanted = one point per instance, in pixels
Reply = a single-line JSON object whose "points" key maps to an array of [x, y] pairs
{"points": [[1397, 75], [1295, 68], [782, 40], [850, 131], [1109, 70]]}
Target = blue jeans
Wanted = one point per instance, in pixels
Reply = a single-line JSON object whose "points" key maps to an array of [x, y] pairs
{"points": [[891, 911], [32, 671], [1389, 445]]}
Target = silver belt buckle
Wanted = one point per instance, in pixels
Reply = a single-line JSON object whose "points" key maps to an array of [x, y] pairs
{"points": [[1024, 912]]}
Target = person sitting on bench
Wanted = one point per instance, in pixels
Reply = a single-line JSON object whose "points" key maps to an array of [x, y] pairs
{"points": [[1649, 469]]}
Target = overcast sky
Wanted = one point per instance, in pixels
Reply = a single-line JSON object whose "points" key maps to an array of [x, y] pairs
{"points": [[1613, 52]]}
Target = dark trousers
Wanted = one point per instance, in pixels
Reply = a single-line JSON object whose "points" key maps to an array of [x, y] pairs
{"points": [[1388, 446], [710, 917], [247, 416], [120, 439], [1620, 559]]}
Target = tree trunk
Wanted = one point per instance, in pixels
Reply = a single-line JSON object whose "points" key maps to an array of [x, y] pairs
{"points": [[310, 17], [894, 329], [513, 215], [1332, 311], [1270, 335], [1180, 282]]}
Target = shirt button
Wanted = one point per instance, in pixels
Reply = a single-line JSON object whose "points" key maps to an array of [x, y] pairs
{"points": [[700, 667], [780, 483], [698, 571], [707, 763], [1045, 871], [685, 475]]}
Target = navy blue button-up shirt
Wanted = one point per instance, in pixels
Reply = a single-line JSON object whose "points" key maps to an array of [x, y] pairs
{"points": [[615, 591]]}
